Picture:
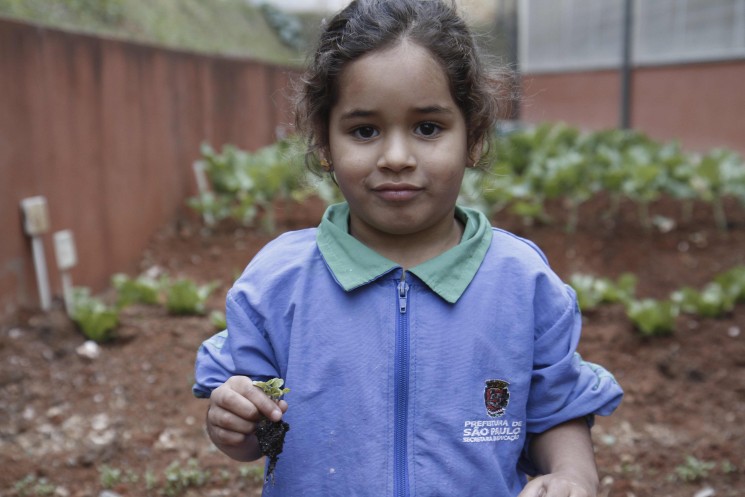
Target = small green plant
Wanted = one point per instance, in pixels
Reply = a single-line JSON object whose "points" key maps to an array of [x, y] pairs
{"points": [[271, 435], [110, 477], [141, 290], [273, 388], [693, 469], [252, 473], [218, 321], [712, 302], [180, 478], [31, 485], [733, 282], [95, 319], [593, 291], [151, 481], [652, 317], [184, 297]]}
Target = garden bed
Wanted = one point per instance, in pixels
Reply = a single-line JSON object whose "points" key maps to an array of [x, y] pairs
{"points": [[126, 418]]}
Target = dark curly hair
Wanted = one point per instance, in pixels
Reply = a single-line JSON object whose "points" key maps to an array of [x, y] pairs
{"points": [[369, 25]]}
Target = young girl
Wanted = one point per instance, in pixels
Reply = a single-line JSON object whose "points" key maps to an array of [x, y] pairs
{"points": [[428, 354]]}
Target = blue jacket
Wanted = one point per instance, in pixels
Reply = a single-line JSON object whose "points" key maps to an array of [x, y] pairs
{"points": [[423, 383]]}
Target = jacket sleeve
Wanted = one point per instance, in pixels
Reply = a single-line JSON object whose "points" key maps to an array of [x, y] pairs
{"points": [[214, 365], [242, 349], [563, 386]]}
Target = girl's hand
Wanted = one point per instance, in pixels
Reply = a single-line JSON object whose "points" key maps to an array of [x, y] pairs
{"points": [[558, 485], [235, 409]]}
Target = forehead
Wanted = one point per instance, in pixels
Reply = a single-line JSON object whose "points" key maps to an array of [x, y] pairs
{"points": [[404, 74]]}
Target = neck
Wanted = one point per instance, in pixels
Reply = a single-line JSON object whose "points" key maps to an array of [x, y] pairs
{"points": [[411, 249]]}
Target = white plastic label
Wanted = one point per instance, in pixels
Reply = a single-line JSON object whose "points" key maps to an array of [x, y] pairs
{"points": [[35, 215], [64, 249]]}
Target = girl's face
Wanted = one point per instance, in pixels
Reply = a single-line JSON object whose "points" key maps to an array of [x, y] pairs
{"points": [[398, 144]]}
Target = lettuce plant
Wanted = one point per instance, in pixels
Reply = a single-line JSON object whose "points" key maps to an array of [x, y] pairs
{"points": [[95, 319]]}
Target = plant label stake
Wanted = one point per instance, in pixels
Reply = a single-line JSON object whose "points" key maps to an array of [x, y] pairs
{"points": [[204, 187], [35, 224], [67, 258]]}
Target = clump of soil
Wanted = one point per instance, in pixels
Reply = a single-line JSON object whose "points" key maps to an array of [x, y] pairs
{"points": [[271, 437]]}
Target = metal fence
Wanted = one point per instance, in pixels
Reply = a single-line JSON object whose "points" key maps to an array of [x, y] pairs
{"points": [[567, 35]]}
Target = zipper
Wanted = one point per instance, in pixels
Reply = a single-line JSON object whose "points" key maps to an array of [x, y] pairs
{"points": [[401, 393]]}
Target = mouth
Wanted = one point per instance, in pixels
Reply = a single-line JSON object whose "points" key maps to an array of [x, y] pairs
{"points": [[397, 192]]}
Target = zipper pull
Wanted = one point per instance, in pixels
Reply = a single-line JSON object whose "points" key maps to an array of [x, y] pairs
{"points": [[403, 289]]}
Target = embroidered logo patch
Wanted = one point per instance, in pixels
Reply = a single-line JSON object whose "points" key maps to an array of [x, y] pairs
{"points": [[496, 397]]}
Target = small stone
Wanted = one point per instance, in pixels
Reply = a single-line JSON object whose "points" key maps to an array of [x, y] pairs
{"points": [[705, 492], [733, 331], [108, 493], [89, 349]]}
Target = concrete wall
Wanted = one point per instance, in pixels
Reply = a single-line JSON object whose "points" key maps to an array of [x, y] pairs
{"points": [[107, 132], [702, 105]]}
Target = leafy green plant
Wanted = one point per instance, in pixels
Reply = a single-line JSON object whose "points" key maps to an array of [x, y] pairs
{"points": [[31, 485], [178, 479], [711, 302], [693, 469], [245, 184], [652, 317], [718, 174], [732, 282], [554, 161], [95, 319], [270, 434], [143, 290], [593, 291], [218, 321], [185, 297], [252, 473], [273, 388]]}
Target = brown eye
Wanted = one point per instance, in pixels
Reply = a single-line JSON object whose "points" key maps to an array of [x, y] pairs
{"points": [[428, 129], [365, 132]]}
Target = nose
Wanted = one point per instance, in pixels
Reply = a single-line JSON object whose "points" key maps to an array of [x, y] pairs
{"points": [[397, 153]]}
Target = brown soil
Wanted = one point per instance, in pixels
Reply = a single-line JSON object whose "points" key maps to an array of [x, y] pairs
{"points": [[121, 419]]}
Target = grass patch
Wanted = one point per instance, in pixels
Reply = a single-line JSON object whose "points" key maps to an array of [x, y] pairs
{"points": [[224, 27]]}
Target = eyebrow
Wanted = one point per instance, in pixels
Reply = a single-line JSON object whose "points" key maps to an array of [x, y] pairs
{"points": [[426, 110]]}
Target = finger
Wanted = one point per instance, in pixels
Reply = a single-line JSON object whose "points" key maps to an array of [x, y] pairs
{"points": [[261, 401], [225, 437], [534, 488], [227, 420]]}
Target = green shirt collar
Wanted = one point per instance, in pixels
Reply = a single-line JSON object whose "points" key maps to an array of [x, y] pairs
{"points": [[353, 264]]}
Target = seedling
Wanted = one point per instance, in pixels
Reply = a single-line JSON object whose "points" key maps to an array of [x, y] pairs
{"points": [[142, 290], [652, 317], [217, 319], [693, 469], [271, 435], [96, 320], [184, 297]]}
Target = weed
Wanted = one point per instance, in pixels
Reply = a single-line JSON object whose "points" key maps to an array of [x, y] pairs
{"points": [[179, 479], [141, 290], [218, 321], [151, 481], [95, 319], [109, 477], [184, 297], [693, 469], [31, 485], [252, 473]]}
